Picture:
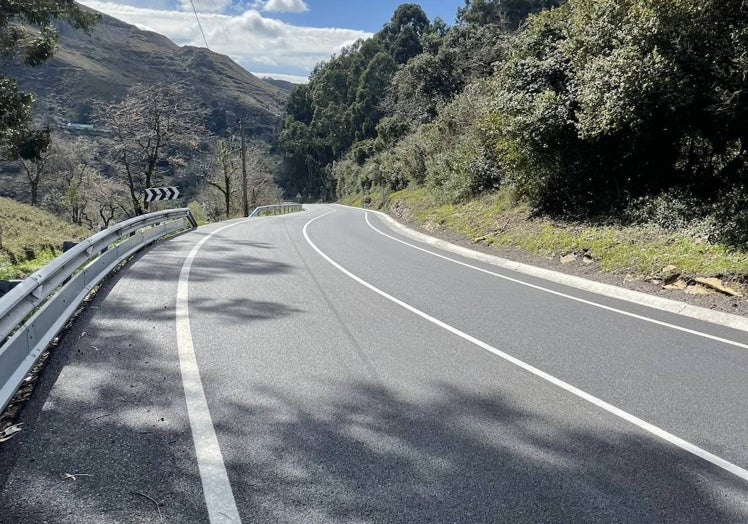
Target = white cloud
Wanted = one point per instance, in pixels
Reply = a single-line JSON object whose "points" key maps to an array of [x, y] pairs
{"points": [[285, 6], [205, 6], [251, 39], [294, 79]]}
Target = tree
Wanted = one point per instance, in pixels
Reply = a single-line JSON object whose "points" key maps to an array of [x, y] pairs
{"points": [[509, 14], [604, 102], [374, 82], [402, 35], [27, 32], [341, 105], [151, 124], [34, 153], [261, 183], [75, 177], [108, 199], [221, 172], [299, 104], [422, 87]]}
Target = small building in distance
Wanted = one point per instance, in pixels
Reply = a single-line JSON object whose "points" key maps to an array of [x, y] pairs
{"points": [[83, 128]]}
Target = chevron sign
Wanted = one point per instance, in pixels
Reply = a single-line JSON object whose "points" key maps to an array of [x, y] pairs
{"points": [[152, 194]]}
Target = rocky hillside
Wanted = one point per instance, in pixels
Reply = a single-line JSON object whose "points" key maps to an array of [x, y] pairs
{"points": [[117, 55]]}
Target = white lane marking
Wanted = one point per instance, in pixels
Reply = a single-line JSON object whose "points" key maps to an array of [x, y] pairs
{"points": [[219, 498], [646, 426], [607, 290], [564, 295]]}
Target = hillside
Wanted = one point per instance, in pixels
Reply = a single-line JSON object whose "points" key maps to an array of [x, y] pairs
{"points": [[29, 237], [285, 86], [117, 55]]}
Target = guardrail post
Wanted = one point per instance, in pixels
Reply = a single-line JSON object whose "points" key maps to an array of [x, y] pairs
{"points": [[7, 285]]}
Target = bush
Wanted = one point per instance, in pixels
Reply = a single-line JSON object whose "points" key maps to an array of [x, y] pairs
{"points": [[731, 217], [604, 101], [461, 162], [198, 211]]}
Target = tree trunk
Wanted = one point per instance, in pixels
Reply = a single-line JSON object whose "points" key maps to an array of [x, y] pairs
{"points": [[34, 191], [131, 186]]}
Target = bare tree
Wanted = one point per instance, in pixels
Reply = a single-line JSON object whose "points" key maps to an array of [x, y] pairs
{"points": [[109, 200], [75, 175], [151, 124], [221, 172], [261, 186]]}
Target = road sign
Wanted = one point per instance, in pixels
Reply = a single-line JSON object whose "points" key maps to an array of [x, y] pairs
{"points": [[153, 194]]}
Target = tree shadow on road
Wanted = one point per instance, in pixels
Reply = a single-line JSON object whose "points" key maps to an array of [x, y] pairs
{"points": [[106, 432], [368, 455], [335, 451]]}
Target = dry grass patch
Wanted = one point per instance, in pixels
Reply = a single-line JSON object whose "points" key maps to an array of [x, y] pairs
{"points": [[31, 237]]}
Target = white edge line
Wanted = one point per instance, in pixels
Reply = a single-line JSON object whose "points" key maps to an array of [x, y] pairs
{"points": [[564, 295], [219, 497], [663, 304], [646, 426]]}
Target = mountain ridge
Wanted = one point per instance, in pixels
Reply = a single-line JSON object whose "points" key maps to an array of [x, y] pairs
{"points": [[117, 56]]}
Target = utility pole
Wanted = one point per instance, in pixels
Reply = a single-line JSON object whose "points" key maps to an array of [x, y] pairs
{"points": [[245, 200]]}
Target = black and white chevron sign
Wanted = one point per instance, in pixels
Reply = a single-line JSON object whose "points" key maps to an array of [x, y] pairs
{"points": [[153, 194]]}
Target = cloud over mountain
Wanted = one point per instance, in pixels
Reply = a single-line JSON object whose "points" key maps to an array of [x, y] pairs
{"points": [[256, 41]]}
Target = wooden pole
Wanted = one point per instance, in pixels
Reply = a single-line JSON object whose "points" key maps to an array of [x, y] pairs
{"points": [[245, 200]]}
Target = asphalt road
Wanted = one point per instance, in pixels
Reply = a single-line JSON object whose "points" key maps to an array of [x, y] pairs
{"points": [[350, 377]]}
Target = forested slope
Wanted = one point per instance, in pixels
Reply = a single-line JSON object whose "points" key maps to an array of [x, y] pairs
{"points": [[631, 111]]}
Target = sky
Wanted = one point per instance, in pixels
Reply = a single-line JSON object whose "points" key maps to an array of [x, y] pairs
{"points": [[281, 39]]}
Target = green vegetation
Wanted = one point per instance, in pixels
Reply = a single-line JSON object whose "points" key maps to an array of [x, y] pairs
{"points": [[498, 219], [610, 127], [30, 237]]}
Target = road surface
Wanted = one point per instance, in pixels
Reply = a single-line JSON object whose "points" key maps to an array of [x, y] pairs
{"points": [[320, 367]]}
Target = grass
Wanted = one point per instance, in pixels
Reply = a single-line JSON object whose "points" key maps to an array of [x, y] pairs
{"points": [[30, 237], [499, 219]]}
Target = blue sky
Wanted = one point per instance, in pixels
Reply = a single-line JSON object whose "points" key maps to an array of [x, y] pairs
{"points": [[367, 15], [278, 38]]}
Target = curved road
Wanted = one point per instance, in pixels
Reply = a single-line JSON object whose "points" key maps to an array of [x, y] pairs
{"points": [[319, 367]]}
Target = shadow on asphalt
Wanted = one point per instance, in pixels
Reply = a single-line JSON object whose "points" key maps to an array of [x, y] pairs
{"points": [[368, 455], [117, 418], [362, 453]]}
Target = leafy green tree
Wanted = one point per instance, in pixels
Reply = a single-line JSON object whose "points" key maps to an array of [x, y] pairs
{"points": [[27, 32], [341, 105], [374, 82], [402, 35], [604, 101], [506, 13], [34, 153], [299, 104], [422, 87]]}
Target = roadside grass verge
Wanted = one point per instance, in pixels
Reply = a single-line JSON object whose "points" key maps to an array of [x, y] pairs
{"points": [[31, 237], [500, 219]]}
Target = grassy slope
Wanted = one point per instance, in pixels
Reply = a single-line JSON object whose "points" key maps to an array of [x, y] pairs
{"points": [[30, 237], [497, 219]]}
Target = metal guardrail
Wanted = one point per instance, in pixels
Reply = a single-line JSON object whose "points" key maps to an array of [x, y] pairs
{"points": [[277, 209], [33, 312]]}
